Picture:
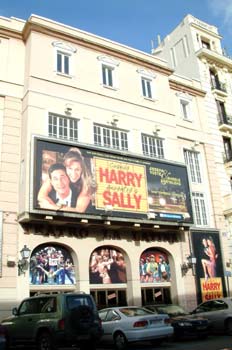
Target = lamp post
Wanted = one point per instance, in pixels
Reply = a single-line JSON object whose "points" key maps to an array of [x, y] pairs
{"points": [[23, 262]]}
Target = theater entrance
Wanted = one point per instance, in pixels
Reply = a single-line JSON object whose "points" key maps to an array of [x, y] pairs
{"points": [[161, 295], [109, 297]]}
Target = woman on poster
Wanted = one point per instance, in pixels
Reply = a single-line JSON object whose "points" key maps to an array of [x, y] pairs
{"points": [[209, 263]]}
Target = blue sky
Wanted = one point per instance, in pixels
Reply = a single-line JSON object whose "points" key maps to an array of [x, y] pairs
{"points": [[135, 23]]}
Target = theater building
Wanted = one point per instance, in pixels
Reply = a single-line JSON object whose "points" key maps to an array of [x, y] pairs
{"points": [[107, 177]]}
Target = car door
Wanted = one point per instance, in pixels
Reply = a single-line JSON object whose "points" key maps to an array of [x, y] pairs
{"points": [[215, 310], [23, 324], [108, 322]]}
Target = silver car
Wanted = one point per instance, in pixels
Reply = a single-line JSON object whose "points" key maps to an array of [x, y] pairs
{"points": [[218, 312], [128, 324]]}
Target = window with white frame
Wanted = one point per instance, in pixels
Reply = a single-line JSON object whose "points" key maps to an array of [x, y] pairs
{"points": [[110, 137], [199, 206], [62, 127], [185, 101], [63, 58], [147, 83], [108, 68], [146, 87], [62, 63], [107, 75], [192, 160], [152, 146]]}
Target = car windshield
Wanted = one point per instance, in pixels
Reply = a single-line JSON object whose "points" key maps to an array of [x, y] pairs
{"points": [[135, 311], [172, 310]]}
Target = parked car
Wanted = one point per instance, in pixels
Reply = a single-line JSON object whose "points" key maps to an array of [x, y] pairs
{"points": [[185, 325], [2, 337], [128, 324], [219, 314], [51, 321]]}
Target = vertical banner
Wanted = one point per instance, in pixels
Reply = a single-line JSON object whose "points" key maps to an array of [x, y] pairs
{"points": [[209, 267]]}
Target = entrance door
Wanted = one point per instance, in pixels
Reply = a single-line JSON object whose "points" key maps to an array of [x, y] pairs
{"points": [[156, 295], [109, 297]]}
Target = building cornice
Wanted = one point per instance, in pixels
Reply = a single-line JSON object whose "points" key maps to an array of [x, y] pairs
{"points": [[186, 88], [213, 57]]}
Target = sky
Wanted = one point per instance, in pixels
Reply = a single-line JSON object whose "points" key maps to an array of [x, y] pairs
{"points": [[135, 23]]}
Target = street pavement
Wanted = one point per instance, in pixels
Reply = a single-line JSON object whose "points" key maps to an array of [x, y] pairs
{"points": [[216, 342], [213, 342]]}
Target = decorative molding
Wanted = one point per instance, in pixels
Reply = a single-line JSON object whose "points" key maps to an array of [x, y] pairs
{"points": [[64, 47], [108, 60]]}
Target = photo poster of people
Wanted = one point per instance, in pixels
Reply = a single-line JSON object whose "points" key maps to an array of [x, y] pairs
{"points": [[154, 267], [129, 186], [51, 265], [107, 265], [209, 266]]}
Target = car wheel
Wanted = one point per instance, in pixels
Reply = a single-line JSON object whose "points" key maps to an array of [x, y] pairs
{"points": [[44, 342], [228, 327], [120, 341]]}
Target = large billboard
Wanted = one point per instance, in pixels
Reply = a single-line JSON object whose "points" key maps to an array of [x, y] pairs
{"points": [[75, 179]]}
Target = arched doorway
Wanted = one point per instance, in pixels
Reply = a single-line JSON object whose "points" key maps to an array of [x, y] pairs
{"points": [[155, 276], [108, 277]]}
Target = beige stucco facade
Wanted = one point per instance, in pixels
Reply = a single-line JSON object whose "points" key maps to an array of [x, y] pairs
{"points": [[30, 90]]}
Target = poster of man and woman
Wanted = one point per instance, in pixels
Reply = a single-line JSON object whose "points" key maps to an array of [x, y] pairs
{"points": [[209, 267], [82, 180]]}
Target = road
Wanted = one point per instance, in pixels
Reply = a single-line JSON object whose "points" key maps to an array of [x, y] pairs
{"points": [[217, 342]]}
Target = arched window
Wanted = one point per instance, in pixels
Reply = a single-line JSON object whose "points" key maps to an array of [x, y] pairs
{"points": [[51, 265], [107, 265]]}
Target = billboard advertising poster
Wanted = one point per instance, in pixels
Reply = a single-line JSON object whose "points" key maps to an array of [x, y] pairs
{"points": [[154, 267], [51, 265], [107, 265], [209, 266], [84, 180]]}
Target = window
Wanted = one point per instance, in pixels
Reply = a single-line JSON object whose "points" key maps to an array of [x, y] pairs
{"points": [[193, 163], [107, 75], [152, 146], [200, 209], [108, 67], [205, 44], [147, 83], [62, 63], [110, 137], [63, 57], [146, 87], [185, 109], [221, 112], [62, 127], [214, 79], [185, 101], [227, 149]]}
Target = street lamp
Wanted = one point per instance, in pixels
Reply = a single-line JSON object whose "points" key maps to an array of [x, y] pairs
{"points": [[23, 263]]}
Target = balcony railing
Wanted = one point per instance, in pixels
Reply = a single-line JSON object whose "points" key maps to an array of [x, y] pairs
{"points": [[227, 157], [225, 119], [218, 86]]}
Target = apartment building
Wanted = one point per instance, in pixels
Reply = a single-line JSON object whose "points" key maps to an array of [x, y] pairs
{"points": [[107, 177], [194, 49]]}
